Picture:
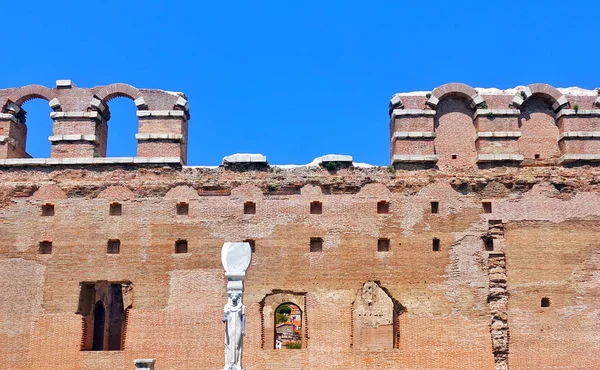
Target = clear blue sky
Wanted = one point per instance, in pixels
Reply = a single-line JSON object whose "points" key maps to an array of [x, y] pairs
{"points": [[290, 79]]}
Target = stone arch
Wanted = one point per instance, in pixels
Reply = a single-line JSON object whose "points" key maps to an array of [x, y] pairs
{"points": [[556, 99], [453, 89], [100, 100]]}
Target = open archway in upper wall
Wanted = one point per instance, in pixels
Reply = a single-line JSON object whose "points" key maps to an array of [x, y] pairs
{"points": [[39, 127], [122, 127]]}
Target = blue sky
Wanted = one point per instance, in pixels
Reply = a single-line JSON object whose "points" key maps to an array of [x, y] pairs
{"points": [[291, 79]]}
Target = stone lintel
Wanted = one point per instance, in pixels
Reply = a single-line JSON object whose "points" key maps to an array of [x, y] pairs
{"points": [[578, 135], [145, 137], [412, 112], [75, 115], [407, 135], [499, 157], [569, 158], [161, 114], [414, 158], [334, 158], [579, 112], [499, 134], [55, 138], [496, 112]]}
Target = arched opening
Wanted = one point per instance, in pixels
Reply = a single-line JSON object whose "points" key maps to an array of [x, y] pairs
{"points": [[122, 127], [36, 117], [288, 326], [99, 321]]}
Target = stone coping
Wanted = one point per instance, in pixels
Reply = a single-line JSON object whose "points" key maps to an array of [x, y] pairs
{"points": [[496, 112], [55, 138], [499, 157], [499, 134], [334, 158], [92, 161], [570, 158], [88, 115], [143, 137], [161, 113], [413, 134], [579, 112], [412, 112], [414, 158], [578, 134]]}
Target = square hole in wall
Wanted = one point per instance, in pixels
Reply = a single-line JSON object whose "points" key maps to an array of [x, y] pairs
{"points": [[435, 244], [545, 302], [489, 243], [383, 207], [536, 156], [435, 206], [48, 209], [454, 156], [252, 243], [316, 208], [113, 246], [115, 209], [249, 208], [183, 209], [181, 246], [383, 245], [316, 244], [487, 207], [45, 247]]}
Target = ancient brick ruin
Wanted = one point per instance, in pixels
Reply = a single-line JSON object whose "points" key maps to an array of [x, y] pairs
{"points": [[477, 248]]}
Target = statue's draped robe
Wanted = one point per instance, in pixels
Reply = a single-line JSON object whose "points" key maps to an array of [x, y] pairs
{"points": [[233, 335]]}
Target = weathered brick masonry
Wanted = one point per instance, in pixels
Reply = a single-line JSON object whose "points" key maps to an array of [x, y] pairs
{"points": [[478, 248]]}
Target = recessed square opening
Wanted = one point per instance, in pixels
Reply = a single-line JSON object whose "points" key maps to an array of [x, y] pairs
{"points": [[435, 244], [252, 243], [249, 208], [115, 209], [48, 209], [113, 246], [45, 247], [435, 207], [487, 207], [454, 156], [183, 209], [383, 207], [316, 244], [316, 208], [536, 156], [545, 302], [383, 245], [181, 246], [489, 243]]}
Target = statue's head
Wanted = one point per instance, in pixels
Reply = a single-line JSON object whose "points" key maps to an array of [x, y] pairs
{"points": [[235, 298]]}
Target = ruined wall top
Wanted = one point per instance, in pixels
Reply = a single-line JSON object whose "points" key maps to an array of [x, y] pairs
{"points": [[452, 126]]}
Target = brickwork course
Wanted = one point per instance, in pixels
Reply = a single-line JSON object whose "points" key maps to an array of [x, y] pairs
{"points": [[478, 247]]}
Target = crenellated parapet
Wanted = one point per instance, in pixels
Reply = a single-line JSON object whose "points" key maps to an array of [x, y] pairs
{"points": [[81, 119], [456, 125]]}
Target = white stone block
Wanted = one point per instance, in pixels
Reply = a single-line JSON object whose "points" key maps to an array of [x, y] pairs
{"points": [[64, 84], [140, 102], [334, 158], [54, 103], [412, 112], [433, 101], [517, 101], [244, 158], [395, 102], [183, 103]]}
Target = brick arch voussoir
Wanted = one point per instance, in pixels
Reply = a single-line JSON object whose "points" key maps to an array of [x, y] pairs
{"points": [[30, 92], [558, 100], [117, 90], [455, 88]]}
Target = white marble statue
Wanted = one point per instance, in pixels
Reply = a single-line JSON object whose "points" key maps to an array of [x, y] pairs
{"points": [[234, 318], [236, 259]]}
